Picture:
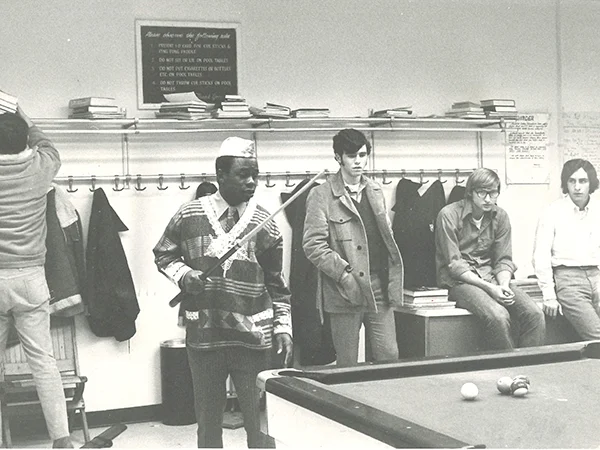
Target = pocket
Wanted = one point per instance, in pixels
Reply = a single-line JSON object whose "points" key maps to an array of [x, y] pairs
{"points": [[37, 291], [342, 226], [350, 291]]}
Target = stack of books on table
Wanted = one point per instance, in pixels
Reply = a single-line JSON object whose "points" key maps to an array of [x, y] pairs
{"points": [[311, 113], [496, 108], [398, 113], [272, 110], [466, 110], [8, 103], [233, 107], [95, 108], [184, 106], [427, 298]]}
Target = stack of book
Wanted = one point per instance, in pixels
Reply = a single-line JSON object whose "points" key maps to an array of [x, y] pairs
{"points": [[496, 108], [8, 103], [184, 108], [94, 108], [272, 110], [530, 287], [232, 107], [399, 112], [311, 113], [466, 110], [427, 298]]}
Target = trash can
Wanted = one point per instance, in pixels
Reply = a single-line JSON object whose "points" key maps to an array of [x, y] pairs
{"points": [[176, 379]]}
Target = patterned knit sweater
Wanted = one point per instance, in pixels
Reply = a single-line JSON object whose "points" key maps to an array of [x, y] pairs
{"points": [[246, 300]]}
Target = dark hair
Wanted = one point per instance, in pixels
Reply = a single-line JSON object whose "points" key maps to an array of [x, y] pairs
{"points": [[350, 141], [224, 163], [481, 178], [205, 188], [13, 134], [572, 166]]}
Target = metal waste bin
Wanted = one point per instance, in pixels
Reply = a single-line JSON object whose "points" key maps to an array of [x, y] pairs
{"points": [[176, 379]]}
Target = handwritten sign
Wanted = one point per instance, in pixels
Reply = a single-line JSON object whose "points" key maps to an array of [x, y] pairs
{"points": [[184, 57], [527, 149], [581, 136]]}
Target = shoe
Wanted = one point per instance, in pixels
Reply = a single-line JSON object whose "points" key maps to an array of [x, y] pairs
{"points": [[63, 442]]}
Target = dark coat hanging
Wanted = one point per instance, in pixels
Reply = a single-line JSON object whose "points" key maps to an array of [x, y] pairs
{"points": [[112, 301]]}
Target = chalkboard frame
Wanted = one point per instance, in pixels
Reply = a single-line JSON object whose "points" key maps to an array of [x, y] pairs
{"points": [[147, 91]]}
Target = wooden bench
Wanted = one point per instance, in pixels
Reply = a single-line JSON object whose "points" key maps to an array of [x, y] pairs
{"points": [[18, 395]]}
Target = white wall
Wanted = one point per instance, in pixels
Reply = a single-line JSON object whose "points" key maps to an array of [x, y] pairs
{"points": [[348, 55]]}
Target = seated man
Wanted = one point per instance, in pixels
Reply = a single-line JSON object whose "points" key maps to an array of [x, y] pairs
{"points": [[474, 262], [567, 251]]}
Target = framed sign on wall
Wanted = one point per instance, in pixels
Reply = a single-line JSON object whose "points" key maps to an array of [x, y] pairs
{"points": [[177, 56]]}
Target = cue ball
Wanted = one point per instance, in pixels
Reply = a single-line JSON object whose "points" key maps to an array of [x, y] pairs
{"points": [[469, 391], [503, 384]]}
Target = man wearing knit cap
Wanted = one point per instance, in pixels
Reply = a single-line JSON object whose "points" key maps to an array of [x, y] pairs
{"points": [[234, 317], [348, 237]]}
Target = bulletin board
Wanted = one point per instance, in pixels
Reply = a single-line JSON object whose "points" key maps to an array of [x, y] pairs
{"points": [[184, 57], [581, 136]]}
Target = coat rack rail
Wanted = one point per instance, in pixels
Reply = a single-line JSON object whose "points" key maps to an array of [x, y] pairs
{"points": [[138, 181]]}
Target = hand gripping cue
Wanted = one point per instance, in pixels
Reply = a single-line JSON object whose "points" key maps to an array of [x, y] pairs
{"points": [[240, 242]]}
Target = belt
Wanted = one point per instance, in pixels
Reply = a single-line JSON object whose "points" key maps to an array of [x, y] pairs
{"points": [[576, 267]]}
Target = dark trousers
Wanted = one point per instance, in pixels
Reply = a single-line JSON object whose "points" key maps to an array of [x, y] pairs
{"points": [[209, 375]]}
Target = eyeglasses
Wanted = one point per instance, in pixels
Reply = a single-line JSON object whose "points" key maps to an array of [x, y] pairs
{"points": [[483, 194]]}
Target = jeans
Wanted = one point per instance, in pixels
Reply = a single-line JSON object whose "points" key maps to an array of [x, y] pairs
{"points": [[521, 324], [209, 375], [24, 298], [380, 330], [578, 292]]}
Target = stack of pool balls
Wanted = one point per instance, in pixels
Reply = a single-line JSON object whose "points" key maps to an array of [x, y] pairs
{"points": [[518, 386]]}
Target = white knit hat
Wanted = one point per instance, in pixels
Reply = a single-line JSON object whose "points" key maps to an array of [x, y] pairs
{"points": [[238, 147]]}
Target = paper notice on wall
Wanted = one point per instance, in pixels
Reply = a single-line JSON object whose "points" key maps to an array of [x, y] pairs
{"points": [[581, 136], [527, 149]]}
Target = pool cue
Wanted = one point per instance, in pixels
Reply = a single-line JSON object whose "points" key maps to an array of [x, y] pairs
{"points": [[104, 439], [175, 301]]}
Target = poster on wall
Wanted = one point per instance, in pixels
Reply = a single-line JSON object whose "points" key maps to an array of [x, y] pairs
{"points": [[527, 149], [581, 136], [177, 57]]}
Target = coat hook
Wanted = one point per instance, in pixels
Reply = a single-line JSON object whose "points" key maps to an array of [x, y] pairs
{"points": [[138, 183], [287, 180], [70, 187], [160, 183], [93, 182], [116, 187], [308, 174], [268, 183], [457, 179], [403, 173], [203, 177], [384, 181], [440, 176], [182, 182], [422, 173]]}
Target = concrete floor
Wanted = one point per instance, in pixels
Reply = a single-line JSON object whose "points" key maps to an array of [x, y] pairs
{"points": [[142, 435]]}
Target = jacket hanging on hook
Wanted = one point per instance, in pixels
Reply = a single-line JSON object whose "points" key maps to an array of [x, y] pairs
{"points": [[112, 302]]}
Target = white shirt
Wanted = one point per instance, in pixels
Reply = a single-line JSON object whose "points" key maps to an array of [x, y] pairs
{"points": [[221, 205], [565, 236]]}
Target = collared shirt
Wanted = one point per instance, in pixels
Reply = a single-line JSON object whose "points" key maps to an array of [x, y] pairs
{"points": [[221, 205], [355, 191], [566, 236], [461, 246]]}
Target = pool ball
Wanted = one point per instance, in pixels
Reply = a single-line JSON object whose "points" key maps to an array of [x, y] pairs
{"points": [[469, 391], [503, 384], [519, 387], [525, 378]]}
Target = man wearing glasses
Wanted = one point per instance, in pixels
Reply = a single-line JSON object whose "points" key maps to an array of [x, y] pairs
{"points": [[474, 262]]}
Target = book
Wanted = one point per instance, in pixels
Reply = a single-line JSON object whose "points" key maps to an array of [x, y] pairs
{"points": [[497, 102], [96, 109], [310, 112], [465, 104], [425, 291], [91, 101], [466, 109], [8, 102], [189, 96], [500, 108], [425, 299], [439, 305]]}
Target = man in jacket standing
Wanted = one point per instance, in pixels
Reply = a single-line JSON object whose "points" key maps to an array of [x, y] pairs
{"points": [[242, 310], [348, 237], [28, 163]]}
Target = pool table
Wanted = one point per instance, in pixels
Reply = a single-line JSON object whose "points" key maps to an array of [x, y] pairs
{"points": [[417, 402]]}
